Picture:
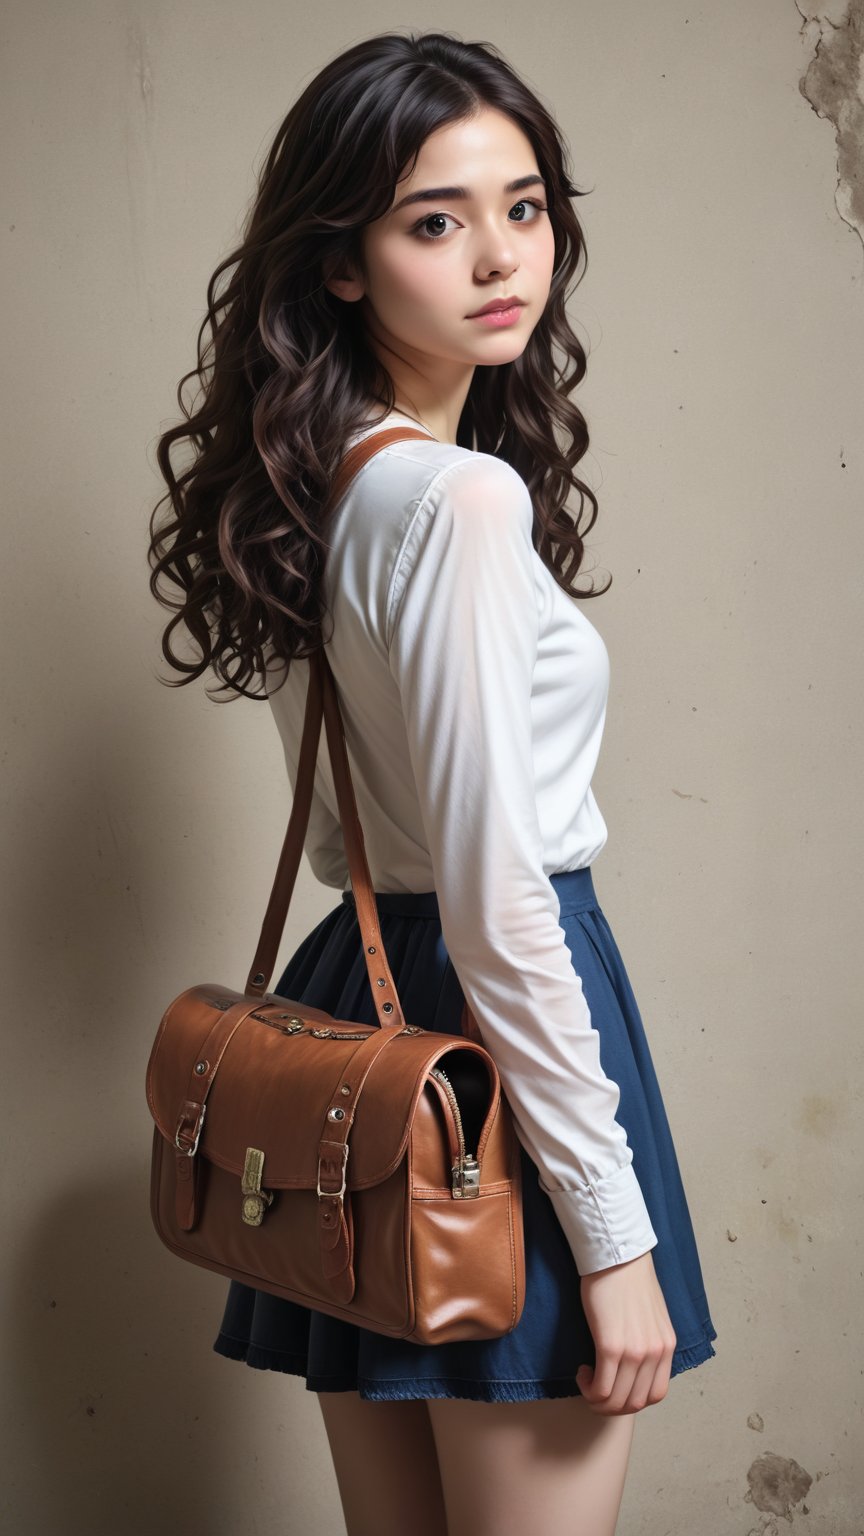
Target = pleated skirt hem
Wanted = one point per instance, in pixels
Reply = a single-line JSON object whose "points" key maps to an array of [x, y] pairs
{"points": [[684, 1359]]}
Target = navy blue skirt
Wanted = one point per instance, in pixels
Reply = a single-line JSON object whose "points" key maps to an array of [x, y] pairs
{"points": [[542, 1354]]}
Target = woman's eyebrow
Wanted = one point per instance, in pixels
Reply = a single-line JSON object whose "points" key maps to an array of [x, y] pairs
{"points": [[439, 194]]}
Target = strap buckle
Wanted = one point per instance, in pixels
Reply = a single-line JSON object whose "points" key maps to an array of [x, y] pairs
{"points": [[199, 1121], [333, 1194]]}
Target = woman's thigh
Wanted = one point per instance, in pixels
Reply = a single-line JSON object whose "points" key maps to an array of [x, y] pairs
{"points": [[549, 1467], [455, 1467], [386, 1465]]}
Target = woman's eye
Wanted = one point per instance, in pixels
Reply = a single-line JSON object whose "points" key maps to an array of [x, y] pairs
{"points": [[421, 231]]}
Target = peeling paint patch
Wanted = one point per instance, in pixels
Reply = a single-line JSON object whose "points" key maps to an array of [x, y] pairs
{"points": [[833, 84], [776, 1483]]}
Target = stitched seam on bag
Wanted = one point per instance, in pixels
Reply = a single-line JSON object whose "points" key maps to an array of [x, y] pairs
{"points": [[512, 1227]]}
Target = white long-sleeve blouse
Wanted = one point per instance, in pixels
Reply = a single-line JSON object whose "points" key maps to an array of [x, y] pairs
{"points": [[473, 693]]}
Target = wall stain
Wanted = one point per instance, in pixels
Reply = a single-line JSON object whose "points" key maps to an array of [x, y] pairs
{"points": [[833, 84], [776, 1483], [818, 1115]]}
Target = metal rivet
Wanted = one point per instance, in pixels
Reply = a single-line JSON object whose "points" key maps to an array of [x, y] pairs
{"points": [[346, 1088], [258, 979], [381, 981], [335, 1114], [201, 1067], [372, 950], [388, 1008]]}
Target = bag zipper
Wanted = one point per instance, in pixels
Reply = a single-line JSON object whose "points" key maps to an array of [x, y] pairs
{"points": [[297, 1026], [466, 1169]]}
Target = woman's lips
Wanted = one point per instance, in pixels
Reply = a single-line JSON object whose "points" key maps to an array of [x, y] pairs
{"points": [[496, 318]]}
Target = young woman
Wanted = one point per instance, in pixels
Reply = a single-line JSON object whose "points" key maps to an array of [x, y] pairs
{"points": [[416, 181]]}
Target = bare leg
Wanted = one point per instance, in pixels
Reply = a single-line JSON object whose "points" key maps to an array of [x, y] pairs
{"points": [[550, 1467], [386, 1465]]}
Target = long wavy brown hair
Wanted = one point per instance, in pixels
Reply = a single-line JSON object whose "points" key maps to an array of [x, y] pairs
{"points": [[287, 374]]}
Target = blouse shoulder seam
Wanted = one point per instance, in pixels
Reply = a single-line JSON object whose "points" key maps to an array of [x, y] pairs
{"points": [[408, 537]]}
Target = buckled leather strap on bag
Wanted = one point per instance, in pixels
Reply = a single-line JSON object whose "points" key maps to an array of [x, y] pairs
{"points": [[191, 1117]]}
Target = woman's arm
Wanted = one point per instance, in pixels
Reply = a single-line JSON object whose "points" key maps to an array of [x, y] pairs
{"points": [[462, 633]]}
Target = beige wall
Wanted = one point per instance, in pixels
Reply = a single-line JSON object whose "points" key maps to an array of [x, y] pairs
{"points": [[724, 317]]}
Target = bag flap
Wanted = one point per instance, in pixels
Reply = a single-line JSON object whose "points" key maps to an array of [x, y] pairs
{"points": [[276, 1081]]}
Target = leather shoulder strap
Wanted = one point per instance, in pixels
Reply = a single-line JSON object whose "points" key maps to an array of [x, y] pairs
{"points": [[322, 702], [359, 455]]}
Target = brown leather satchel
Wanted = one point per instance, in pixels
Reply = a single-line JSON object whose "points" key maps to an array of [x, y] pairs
{"points": [[371, 1172]]}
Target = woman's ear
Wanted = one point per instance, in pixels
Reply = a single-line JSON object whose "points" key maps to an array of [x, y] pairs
{"points": [[339, 280]]}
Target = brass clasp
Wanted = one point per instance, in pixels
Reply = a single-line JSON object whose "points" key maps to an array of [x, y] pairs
{"points": [[255, 1199]]}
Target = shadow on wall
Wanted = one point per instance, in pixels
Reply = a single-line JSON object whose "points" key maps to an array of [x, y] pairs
{"points": [[94, 1346]]}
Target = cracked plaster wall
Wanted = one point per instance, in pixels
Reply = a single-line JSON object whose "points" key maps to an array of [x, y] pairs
{"points": [[833, 83]]}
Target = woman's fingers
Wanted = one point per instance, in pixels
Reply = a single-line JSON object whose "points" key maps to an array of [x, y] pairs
{"points": [[633, 1336], [624, 1383], [599, 1384]]}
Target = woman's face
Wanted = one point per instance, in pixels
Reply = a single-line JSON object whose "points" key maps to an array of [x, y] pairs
{"points": [[432, 262]]}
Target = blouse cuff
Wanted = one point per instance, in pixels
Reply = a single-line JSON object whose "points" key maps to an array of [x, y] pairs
{"points": [[605, 1223]]}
